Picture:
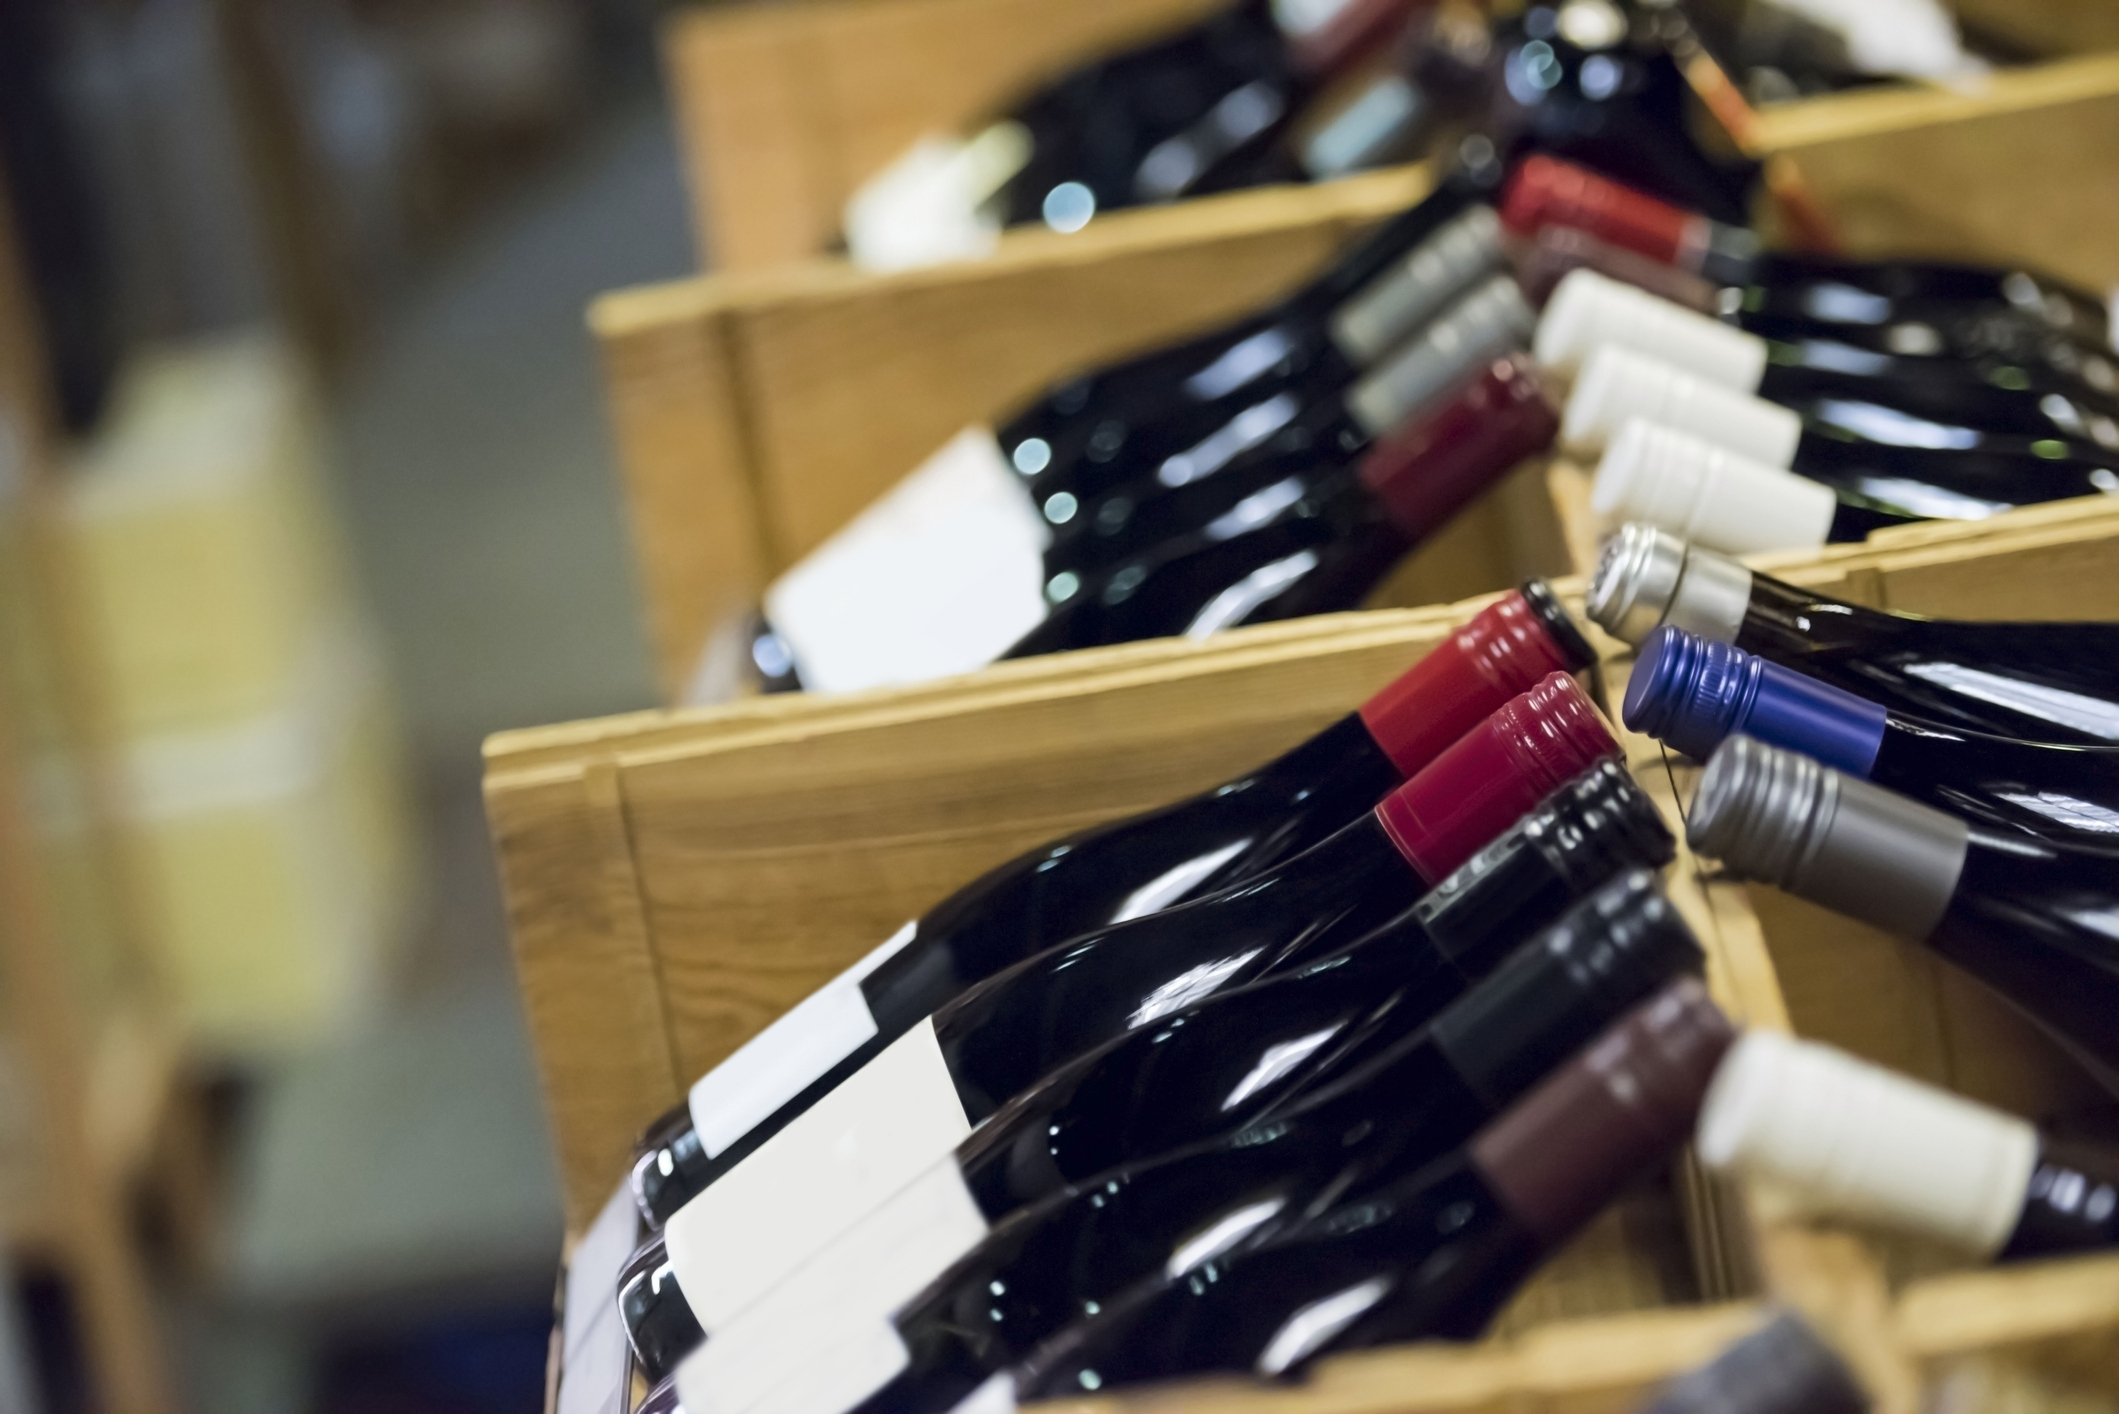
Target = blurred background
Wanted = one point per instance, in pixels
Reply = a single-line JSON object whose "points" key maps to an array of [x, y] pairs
{"points": [[305, 487]]}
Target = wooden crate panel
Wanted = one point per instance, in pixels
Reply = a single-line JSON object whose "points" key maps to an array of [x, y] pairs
{"points": [[757, 414], [733, 858]]}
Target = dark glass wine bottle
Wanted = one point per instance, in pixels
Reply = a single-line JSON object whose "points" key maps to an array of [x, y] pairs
{"points": [[1298, 548], [1593, 88], [1212, 1067], [2038, 681], [1111, 874], [1279, 440], [2024, 916], [1257, 386], [659, 1325], [913, 1097], [1858, 1142], [1843, 393], [1694, 694], [1737, 503], [1433, 1255], [1192, 114], [992, 1295], [1914, 309], [1092, 430]]}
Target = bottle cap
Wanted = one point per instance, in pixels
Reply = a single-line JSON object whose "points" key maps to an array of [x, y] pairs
{"points": [[1546, 260], [1544, 191], [1508, 648], [1648, 576], [1617, 383], [1560, 1153], [1693, 693], [1565, 985], [1430, 275], [1485, 781], [1592, 829], [1856, 1141], [1710, 496], [1781, 1368], [1587, 311], [1783, 819], [658, 1320], [1484, 324], [1428, 470]]}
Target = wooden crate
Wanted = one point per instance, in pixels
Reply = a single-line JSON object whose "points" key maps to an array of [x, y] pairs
{"points": [[784, 108], [756, 414], [2015, 167], [675, 880]]}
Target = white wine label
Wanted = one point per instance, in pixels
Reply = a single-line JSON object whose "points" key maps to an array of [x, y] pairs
{"points": [[940, 576], [920, 210], [877, 1131], [788, 1056], [1306, 17], [834, 1377], [592, 1339], [855, 1282], [593, 1267], [996, 1396]]}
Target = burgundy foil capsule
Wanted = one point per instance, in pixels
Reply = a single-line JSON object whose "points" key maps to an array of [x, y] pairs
{"points": [[1507, 649], [1560, 250], [1494, 775], [1426, 472], [1545, 191], [1563, 1151]]}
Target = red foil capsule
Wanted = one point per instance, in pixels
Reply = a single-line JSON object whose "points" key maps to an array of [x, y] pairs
{"points": [[1428, 470], [1545, 191], [1507, 649], [1492, 776]]}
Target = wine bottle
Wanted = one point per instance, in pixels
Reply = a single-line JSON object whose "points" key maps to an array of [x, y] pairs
{"points": [[1213, 1066], [1209, 401], [993, 1292], [1906, 307], [1268, 443], [1544, 193], [1694, 694], [1894, 468], [1063, 439], [2022, 915], [1295, 548], [1876, 397], [659, 1325], [1719, 499], [1780, 1368], [1854, 1141], [1434, 1255], [1111, 874], [1581, 82], [1195, 114], [922, 1083], [2040, 681]]}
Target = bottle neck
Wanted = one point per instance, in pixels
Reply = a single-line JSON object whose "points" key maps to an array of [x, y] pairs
{"points": [[2071, 1203], [1783, 621]]}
